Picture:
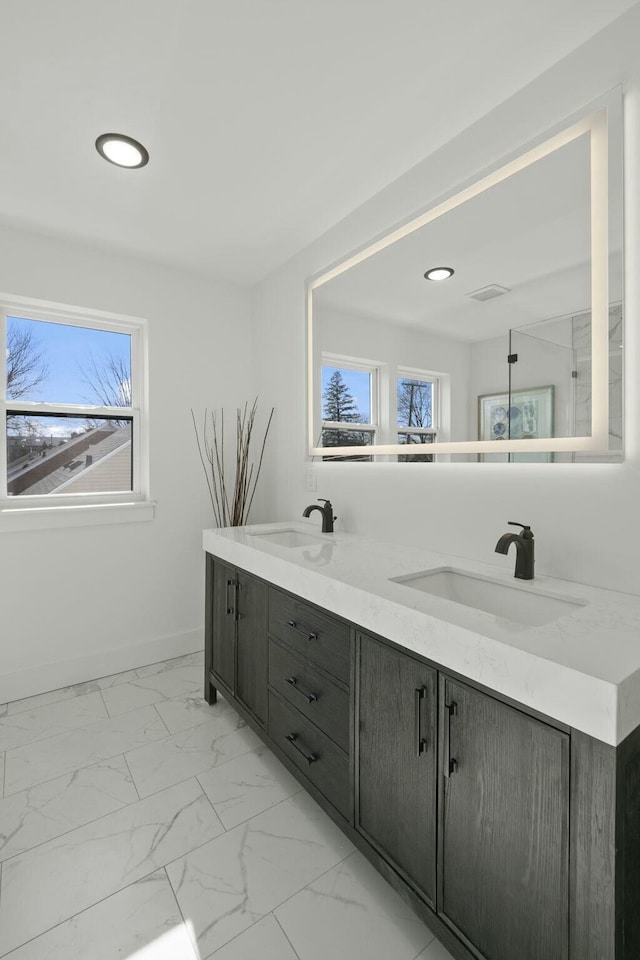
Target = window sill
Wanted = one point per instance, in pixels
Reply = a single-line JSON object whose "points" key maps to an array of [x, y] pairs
{"points": [[13, 519]]}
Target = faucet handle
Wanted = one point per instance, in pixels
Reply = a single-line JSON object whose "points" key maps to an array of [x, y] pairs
{"points": [[330, 507], [526, 529]]}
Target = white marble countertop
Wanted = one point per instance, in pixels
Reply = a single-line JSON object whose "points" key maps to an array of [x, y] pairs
{"points": [[582, 669]]}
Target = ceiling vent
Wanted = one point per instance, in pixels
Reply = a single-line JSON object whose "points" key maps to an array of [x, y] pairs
{"points": [[488, 293]]}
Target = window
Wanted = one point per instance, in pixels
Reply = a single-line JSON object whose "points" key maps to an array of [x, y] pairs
{"points": [[349, 404], [417, 412], [72, 396]]}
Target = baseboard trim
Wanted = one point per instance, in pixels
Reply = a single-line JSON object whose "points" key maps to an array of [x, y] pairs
{"points": [[41, 678]]}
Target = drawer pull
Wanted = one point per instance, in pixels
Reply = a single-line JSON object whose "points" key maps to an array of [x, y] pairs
{"points": [[309, 697], [294, 626], [293, 740], [421, 742], [231, 597], [450, 763]]}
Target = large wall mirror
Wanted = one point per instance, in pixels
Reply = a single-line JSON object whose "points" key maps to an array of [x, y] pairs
{"points": [[517, 356]]}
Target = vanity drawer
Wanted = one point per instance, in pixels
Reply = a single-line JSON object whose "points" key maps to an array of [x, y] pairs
{"points": [[313, 694], [312, 633], [312, 752]]}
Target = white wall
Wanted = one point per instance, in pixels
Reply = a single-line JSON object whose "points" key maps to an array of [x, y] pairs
{"points": [[586, 517], [79, 603]]}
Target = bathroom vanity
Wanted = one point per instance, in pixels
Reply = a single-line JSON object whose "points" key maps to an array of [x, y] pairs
{"points": [[488, 766]]}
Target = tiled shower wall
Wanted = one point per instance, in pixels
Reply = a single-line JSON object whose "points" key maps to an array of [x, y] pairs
{"points": [[581, 324]]}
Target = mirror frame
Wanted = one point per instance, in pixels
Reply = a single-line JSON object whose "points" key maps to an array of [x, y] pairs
{"points": [[601, 121]]}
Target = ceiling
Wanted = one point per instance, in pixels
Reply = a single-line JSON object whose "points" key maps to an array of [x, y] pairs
{"points": [[530, 233], [267, 121]]}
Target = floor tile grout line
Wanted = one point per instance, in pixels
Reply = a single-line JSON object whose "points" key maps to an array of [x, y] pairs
{"points": [[96, 680], [69, 686], [84, 910], [211, 956], [135, 786], [206, 795], [243, 824], [123, 713], [84, 766], [155, 869], [61, 733], [253, 815], [184, 919], [209, 801], [194, 776], [155, 707], [87, 823], [185, 695], [141, 746], [105, 704], [92, 763], [118, 810], [246, 820], [311, 882], [433, 938], [286, 935], [108, 715], [183, 656], [52, 703], [315, 880]]}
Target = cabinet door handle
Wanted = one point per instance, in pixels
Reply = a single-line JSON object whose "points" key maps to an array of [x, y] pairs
{"points": [[293, 740], [231, 598], [421, 742], [294, 626], [309, 697], [450, 765]]}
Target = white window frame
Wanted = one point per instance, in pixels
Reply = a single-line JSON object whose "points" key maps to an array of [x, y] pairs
{"points": [[425, 376], [76, 509], [362, 366]]}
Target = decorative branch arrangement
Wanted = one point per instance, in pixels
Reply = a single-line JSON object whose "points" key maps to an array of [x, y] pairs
{"points": [[231, 507]]}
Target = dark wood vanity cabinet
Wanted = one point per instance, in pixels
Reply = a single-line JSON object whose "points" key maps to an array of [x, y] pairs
{"points": [[310, 696], [396, 765], [287, 666], [514, 837], [500, 780], [236, 650], [504, 830]]}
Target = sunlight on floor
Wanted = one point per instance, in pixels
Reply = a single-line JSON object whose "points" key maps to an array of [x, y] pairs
{"points": [[176, 944]]}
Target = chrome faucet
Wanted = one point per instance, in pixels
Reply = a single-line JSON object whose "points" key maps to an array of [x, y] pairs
{"points": [[327, 514], [524, 549]]}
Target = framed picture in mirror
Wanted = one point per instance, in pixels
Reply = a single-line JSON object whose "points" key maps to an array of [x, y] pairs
{"points": [[518, 415]]}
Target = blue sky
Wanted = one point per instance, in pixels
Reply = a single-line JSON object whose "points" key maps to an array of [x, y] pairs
{"points": [[67, 348], [358, 383]]}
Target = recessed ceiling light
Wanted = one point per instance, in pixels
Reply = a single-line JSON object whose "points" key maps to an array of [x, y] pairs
{"points": [[439, 273], [121, 150]]}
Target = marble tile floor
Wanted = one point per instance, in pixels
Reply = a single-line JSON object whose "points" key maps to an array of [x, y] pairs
{"points": [[138, 822]]}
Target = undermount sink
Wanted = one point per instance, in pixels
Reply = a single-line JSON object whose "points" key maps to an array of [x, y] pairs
{"points": [[290, 538], [510, 602]]}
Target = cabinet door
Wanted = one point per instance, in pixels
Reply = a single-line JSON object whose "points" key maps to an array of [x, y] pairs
{"points": [[251, 656], [396, 807], [223, 642], [504, 849]]}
